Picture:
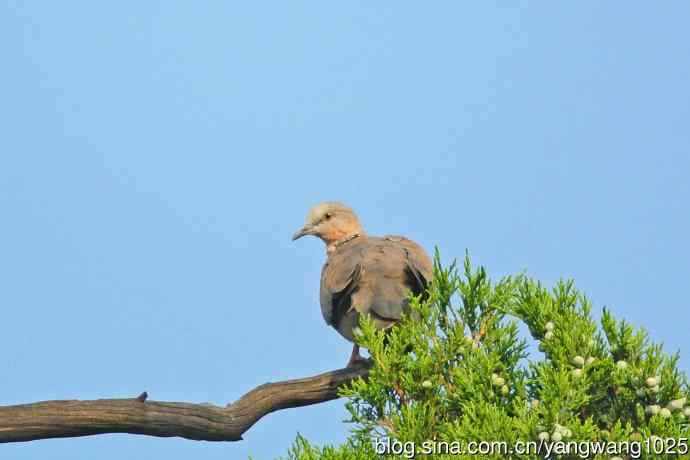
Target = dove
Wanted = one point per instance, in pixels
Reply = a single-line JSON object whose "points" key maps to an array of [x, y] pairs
{"points": [[363, 275]]}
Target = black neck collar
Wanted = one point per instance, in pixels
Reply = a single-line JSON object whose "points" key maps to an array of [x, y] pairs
{"points": [[346, 240]]}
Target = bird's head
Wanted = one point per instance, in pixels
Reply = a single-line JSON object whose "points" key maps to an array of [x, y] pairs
{"points": [[330, 221]]}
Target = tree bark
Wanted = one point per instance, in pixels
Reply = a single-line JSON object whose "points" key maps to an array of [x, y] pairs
{"points": [[203, 422]]}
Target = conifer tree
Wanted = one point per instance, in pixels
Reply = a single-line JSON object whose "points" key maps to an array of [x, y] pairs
{"points": [[458, 371]]}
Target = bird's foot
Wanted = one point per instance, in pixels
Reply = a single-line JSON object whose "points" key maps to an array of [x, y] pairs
{"points": [[361, 361], [356, 359]]}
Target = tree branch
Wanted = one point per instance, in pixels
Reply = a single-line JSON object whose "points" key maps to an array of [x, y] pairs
{"points": [[204, 422]]}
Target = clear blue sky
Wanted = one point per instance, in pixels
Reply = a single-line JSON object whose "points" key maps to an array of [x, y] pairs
{"points": [[156, 157]]}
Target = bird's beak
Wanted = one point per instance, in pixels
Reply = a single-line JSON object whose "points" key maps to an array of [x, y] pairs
{"points": [[306, 230]]}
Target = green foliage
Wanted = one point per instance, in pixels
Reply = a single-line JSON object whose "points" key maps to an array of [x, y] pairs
{"points": [[354, 449], [457, 371]]}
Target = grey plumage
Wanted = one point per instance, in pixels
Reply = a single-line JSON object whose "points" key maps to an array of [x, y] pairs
{"points": [[373, 276]]}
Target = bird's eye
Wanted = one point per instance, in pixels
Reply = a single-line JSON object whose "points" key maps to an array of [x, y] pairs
{"points": [[328, 215]]}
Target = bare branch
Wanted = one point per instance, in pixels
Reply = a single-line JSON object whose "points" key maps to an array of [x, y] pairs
{"points": [[204, 422]]}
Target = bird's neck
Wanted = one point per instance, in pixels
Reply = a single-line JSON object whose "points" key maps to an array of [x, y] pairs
{"points": [[332, 244]]}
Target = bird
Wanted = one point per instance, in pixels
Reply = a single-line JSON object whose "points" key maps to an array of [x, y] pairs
{"points": [[363, 274]]}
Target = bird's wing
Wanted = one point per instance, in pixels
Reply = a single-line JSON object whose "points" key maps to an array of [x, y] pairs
{"points": [[373, 276], [419, 268], [392, 267], [340, 278]]}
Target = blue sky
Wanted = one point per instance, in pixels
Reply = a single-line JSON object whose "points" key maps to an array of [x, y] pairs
{"points": [[156, 157]]}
